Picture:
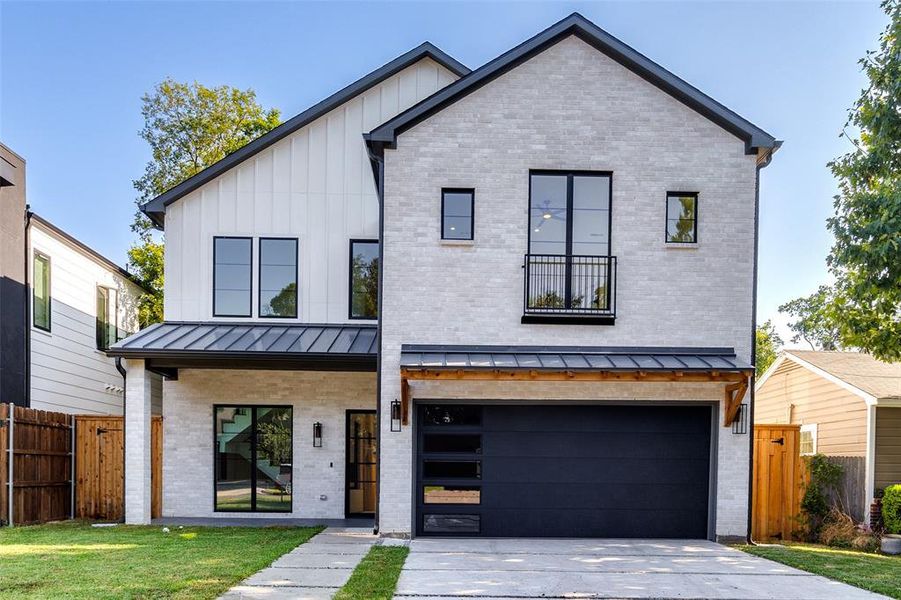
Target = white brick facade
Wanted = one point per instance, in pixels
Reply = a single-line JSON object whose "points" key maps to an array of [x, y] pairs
{"points": [[570, 107], [314, 396]]}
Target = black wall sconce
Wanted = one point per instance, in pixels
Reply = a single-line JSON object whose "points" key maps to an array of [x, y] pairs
{"points": [[317, 434], [395, 415], [740, 424]]}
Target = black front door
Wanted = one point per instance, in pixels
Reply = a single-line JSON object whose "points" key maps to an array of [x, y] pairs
{"points": [[360, 468], [563, 470]]}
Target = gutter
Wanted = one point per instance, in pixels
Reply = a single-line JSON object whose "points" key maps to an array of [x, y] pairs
{"points": [[28, 300]]}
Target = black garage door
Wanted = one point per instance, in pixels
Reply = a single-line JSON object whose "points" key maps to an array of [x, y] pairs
{"points": [[563, 471]]}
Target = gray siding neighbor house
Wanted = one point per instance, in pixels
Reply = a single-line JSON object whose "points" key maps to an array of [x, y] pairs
{"points": [[514, 301]]}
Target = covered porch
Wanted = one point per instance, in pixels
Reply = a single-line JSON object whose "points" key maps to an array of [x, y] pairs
{"points": [[260, 422]]}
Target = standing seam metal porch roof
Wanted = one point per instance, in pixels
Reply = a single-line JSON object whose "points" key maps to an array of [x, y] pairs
{"points": [[249, 340], [570, 358]]}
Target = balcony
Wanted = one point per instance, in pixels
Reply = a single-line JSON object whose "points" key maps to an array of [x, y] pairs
{"points": [[569, 289]]}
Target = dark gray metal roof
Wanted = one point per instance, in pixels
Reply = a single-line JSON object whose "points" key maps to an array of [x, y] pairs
{"points": [[248, 340], [156, 209], [571, 358], [575, 24]]}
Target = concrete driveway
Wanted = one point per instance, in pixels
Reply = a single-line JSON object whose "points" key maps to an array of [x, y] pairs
{"points": [[553, 568]]}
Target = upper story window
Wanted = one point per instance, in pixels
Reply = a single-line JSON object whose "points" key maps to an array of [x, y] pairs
{"points": [[41, 291], [569, 270], [278, 277], [364, 279], [682, 217], [107, 317], [232, 260], [457, 210]]}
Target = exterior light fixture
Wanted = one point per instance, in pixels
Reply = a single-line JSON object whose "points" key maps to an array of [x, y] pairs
{"points": [[317, 434], [395, 415], [546, 215], [740, 424]]}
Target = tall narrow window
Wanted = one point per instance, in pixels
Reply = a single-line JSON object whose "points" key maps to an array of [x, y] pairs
{"points": [[107, 317], [364, 279], [41, 293], [682, 217], [254, 458], [569, 265], [232, 259], [278, 277], [457, 208]]}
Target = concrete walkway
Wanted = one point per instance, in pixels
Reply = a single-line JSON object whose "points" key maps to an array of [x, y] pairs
{"points": [[502, 569], [312, 571]]}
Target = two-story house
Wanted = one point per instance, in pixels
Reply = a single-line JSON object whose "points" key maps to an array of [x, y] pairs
{"points": [[516, 301], [63, 304]]}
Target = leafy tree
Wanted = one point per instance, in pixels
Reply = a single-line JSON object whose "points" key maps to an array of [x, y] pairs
{"points": [[814, 319], [866, 256], [768, 344], [189, 127]]}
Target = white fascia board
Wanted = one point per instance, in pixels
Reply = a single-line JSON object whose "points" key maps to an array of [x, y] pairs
{"points": [[868, 398]]}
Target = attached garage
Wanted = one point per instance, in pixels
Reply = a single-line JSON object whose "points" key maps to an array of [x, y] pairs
{"points": [[564, 470]]}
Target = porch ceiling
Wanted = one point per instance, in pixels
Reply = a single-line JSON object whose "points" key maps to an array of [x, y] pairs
{"points": [[174, 345]]}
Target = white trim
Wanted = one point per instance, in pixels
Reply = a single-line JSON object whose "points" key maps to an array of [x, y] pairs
{"points": [[812, 429], [869, 488], [772, 369], [868, 398]]}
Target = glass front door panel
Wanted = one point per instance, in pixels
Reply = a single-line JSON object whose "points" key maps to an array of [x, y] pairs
{"points": [[273, 464], [361, 462], [234, 489]]}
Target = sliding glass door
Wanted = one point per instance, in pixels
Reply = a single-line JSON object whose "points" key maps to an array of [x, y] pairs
{"points": [[253, 458]]}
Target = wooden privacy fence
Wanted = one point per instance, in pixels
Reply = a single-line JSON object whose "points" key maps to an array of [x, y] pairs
{"points": [[100, 467], [55, 466], [35, 465], [778, 481]]}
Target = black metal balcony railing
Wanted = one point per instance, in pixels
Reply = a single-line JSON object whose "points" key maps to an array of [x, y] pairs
{"points": [[558, 284]]}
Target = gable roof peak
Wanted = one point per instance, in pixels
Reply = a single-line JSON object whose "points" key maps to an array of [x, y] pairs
{"points": [[755, 138]]}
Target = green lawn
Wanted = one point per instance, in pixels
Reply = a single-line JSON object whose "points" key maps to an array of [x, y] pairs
{"points": [[875, 572], [75, 560], [376, 576]]}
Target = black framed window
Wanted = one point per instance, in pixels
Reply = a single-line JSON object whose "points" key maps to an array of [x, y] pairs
{"points": [[364, 279], [457, 213], [41, 291], [278, 277], [107, 321], [569, 213], [682, 217], [232, 260], [253, 459]]}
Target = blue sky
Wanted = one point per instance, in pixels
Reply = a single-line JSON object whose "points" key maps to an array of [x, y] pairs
{"points": [[72, 75]]}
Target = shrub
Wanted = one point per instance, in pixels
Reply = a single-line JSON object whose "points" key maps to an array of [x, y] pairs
{"points": [[891, 508], [825, 478]]}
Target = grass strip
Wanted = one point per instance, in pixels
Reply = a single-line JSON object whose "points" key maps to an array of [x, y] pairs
{"points": [[874, 572], [375, 578]]}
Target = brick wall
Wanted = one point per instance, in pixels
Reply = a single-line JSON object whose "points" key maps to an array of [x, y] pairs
{"points": [[314, 396], [570, 107]]}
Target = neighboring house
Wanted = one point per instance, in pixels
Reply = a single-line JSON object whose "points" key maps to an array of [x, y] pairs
{"points": [[81, 304], [516, 301], [849, 407], [13, 290]]}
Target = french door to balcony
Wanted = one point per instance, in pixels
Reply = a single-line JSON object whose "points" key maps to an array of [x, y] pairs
{"points": [[569, 269]]}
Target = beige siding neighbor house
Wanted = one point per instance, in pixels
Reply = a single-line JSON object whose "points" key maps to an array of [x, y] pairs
{"points": [[849, 407]]}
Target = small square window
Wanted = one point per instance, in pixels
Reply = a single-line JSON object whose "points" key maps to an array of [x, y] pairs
{"points": [[681, 217], [457, 209]]}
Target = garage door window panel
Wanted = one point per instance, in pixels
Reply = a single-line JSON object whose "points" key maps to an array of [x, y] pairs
{"points": [[447, 469], [452, 443], [451, 494]]}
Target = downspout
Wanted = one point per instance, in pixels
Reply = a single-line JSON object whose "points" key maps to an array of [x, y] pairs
{"points": [[122, 372], [761, 164], [377, 162], [28, 300]]}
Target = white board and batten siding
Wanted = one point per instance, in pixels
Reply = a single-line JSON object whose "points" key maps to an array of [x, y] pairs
{"points": [[68, 373], [315, 184]]}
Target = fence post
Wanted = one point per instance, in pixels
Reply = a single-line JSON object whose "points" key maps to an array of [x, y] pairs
{"points": [[9, 469], [72, 468]]}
